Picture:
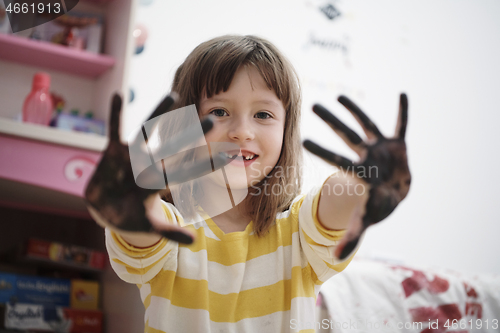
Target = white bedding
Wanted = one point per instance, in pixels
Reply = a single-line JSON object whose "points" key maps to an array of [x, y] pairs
{"points": [[373, 296]]}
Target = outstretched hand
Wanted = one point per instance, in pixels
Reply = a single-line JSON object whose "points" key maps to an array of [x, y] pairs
{"points": [[112, 191], [383, 166]]}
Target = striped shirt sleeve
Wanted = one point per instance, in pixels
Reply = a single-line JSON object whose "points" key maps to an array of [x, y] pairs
{"points": [[140, 265], [319, 243]]}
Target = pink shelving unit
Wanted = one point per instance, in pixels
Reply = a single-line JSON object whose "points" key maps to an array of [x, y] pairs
{"points": [[52, 56], [42, 168], [45, 170]]}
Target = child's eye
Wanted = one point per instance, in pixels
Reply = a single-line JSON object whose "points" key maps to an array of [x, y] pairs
{"points": [[263, 115], [218, 112]]}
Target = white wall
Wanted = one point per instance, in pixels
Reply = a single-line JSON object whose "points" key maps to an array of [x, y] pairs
{"points": [[442, 53]]}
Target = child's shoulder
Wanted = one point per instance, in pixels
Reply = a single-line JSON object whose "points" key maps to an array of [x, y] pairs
{"points": [[292, 211]]}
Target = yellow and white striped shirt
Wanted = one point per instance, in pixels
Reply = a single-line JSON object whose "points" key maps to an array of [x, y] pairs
{"points": [[235, 282]]}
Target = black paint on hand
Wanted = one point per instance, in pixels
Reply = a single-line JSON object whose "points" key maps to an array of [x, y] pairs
{"points": [[383, 162]]}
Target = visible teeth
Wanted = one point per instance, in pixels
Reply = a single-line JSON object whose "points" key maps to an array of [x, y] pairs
{"points": [[249, 157], [230, 156]]}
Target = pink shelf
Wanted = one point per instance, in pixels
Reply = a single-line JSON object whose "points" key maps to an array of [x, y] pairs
{"points": [[52, 56], [59, 168]]}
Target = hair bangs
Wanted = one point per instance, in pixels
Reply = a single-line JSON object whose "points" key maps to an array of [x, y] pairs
{"points": [[220, 63]]}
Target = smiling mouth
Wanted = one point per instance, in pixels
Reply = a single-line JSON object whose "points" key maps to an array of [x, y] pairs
{"points": [[246, 157]]}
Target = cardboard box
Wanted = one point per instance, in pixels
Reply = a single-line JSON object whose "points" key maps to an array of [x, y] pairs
{"points": [[34, 289], [7, 287], [41, 290], [74, 123], [59, 319], [65, 254], [43, 249], [84, 295]]}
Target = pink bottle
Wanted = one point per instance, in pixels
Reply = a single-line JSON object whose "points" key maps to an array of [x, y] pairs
{"points": [[38, 106]]}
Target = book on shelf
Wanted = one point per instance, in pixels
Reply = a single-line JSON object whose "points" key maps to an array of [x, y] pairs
{"points": [[37, 317], [72, 255], [40, 303], [75, 293], [34, 289]]}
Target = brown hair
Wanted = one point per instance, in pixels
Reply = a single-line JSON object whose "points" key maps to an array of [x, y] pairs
{"points": [[209, 69]]}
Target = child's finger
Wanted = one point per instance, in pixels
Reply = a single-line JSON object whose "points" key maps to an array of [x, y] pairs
{"points": [[346, 247], [371, 130], [177, 236], [355, 229], [172, 231], [164, 105], [199, 168], [187, 137], [179, 168], [350, 137], [114, 119], [329, 156], [402, 117]]}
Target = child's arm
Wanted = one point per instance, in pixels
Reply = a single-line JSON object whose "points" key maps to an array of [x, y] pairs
{"points": [[343, 198], [116, 201], [362, 193]]}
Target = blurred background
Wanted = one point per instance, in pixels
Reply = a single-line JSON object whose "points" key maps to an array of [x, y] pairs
{"points": [[443, 54]]}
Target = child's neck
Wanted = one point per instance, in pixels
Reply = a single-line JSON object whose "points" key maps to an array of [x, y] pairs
{"points": [[231, 220], [214, 201]]}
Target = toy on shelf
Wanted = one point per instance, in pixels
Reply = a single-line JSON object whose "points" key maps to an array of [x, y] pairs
{"points": [[72, 25], [140, 36], [78, 30], [69, 255], [74, 122], [37, 107]]}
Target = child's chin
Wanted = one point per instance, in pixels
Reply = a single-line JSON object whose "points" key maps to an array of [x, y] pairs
{"points": [[240, 187], [235, 182]]}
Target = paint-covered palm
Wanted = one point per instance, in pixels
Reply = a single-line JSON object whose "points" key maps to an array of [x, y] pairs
{"points": [[383, 165], [113, 192]]}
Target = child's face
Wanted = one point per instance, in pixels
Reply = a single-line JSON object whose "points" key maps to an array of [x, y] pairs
{"points": [[250, 115]]}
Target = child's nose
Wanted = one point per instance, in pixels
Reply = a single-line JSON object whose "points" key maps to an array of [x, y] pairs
{"points": [[241, 130]]}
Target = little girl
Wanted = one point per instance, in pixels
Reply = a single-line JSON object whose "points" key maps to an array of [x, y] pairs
{"points": [[258, 266]]}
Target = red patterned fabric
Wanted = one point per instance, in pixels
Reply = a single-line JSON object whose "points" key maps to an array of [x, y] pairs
{"points": [[376, 296]]}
